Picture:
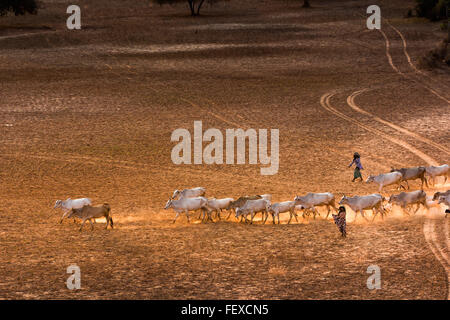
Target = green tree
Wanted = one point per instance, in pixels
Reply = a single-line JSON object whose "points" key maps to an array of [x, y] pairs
{"points": [[19, 7], [432, 9]]}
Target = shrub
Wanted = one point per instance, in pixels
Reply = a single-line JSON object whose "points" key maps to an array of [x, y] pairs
{"points": [[19, 7]]}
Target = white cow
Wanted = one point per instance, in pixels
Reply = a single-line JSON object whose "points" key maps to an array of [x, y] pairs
{"points": [[189, 193], [445, 200], [405, 199], [312, 200], [266, 196], [252, 207], [438, 171], [361, 203], [386, 179], [69, 204], [218, 205], [187, 204], [276, 208]]}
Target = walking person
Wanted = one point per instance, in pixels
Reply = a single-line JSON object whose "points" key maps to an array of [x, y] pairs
{"points": [[358, 167], [340, 221]]}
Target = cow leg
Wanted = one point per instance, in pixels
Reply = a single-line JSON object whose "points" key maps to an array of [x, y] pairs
{"points": [[303, 213], [292, 213], [218, 214], [266, 217], [407, 184], [314, 212], [252, 216], [210, 216], [81, 227], [404, 209], [362, 214], [426, 182], [329, 210], [176, 217], [64, 215], [92, 225], [374, 213], [417, 208], [187, 216], [381, 211]]}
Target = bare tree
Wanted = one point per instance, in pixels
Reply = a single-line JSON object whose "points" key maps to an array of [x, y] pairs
{"points": [[194, 5]]}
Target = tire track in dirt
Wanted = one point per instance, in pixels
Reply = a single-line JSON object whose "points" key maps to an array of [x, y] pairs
{"points": [[408, 57], [429, 231], [394, 67], [210, 112], [354, 106], [325, 102], [405, 52], [79, 159], [22, 35], [184, 99], [429, 225], [429, 228]]}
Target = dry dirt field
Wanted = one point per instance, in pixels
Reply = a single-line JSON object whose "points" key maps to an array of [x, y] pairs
{"points": [[90, 113]]}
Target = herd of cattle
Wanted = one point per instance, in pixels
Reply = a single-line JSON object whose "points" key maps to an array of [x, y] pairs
{"points": [[188, 200]]}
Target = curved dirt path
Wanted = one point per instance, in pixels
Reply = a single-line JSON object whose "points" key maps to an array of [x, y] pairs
{"points": [[408, 57], [23, 35], [325, 102], [429, 230], [397, 70], [354, 106]]}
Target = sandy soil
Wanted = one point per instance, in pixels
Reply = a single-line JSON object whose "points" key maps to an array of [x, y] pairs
{"points": [[90, 113]]}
